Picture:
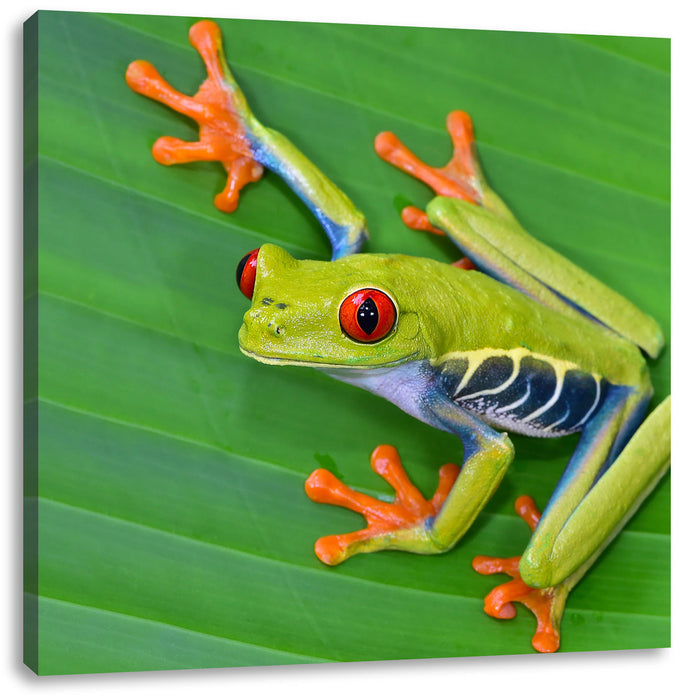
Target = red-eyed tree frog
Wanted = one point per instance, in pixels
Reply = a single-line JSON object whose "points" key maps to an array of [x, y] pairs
{"points": [[513, 339]]}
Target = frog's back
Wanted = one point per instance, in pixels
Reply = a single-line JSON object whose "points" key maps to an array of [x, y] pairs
{"points": [[524, 368]]}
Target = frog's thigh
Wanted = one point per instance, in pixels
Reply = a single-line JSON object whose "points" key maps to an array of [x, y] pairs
{"points": [[566, 546], [488, 241]]}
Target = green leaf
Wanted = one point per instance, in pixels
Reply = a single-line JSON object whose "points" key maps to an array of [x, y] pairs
{"points": [[172, 526]]}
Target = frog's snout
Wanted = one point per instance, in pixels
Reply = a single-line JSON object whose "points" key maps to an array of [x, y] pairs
{"points": [[266, 316]]}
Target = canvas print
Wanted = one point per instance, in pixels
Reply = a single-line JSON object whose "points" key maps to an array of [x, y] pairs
{"points": [[343, 343]]}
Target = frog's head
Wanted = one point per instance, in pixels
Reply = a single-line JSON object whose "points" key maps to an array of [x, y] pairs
{"points": [[358, 311]]}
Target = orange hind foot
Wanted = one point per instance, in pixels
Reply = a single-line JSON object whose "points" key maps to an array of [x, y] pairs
{"points": [[460, 178], [547, 604]]}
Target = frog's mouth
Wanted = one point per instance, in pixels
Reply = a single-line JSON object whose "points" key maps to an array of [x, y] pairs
{"points": [[275, 353], [279, 360], [348, 364]]}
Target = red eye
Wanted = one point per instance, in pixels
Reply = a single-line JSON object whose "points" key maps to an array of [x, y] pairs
{"points": [[367, 315], [245, 273]]}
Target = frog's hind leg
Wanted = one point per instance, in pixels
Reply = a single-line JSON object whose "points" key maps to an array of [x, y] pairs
{"points": [[486, 231], [567, 540], [599, 489], [460, 178], [231, 134], [547, 604]]}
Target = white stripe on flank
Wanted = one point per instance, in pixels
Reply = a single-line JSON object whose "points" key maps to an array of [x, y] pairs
{"points": [[553, 399], [595, 403], [557, 422], [516, 403], [496, 390], [471, 368]]}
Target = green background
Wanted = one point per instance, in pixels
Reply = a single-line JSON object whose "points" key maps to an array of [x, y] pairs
{"points": [[167, 526]]}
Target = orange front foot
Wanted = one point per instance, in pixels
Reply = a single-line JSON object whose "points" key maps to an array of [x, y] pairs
{"points": [[403, 524], [546, 604], [219, 109]]}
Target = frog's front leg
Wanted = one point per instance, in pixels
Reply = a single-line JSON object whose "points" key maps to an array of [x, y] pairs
{"points": [[397, 525], [231, 134], [412, 523]]}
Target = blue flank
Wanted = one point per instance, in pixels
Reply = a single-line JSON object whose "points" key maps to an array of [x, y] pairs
{"points": [[492, 388]]}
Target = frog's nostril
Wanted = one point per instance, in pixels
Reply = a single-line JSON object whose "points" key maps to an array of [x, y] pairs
{"points": [[275, 328], [263, 319]]}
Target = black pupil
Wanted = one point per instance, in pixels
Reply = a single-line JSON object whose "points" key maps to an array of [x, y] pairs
{"points": [[240, 268], [368, 316]]}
